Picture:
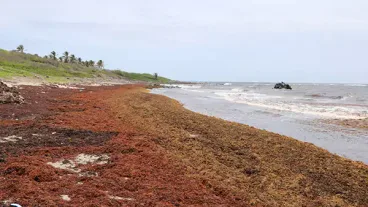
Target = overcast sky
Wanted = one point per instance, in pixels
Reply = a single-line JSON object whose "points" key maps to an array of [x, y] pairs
{"points": [[206, 40]]}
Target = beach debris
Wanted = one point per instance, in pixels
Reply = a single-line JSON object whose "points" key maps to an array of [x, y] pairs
{"points": [[69, 165], [121, 198], [6, 203], [65, 198], [193, 135], [82, 159], [67, 86], [11, 138], [9, 95], [282, 85], [88, 174]]}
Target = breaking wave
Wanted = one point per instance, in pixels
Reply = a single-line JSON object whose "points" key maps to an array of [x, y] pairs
{"points": [[184, 86], [356, 84], [280, 103]]}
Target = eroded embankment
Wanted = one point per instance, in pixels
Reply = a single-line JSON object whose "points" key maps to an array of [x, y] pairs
{"points": [[120, 146]]}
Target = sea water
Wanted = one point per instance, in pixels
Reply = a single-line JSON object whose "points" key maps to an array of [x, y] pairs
{"points": [[301, 113]]}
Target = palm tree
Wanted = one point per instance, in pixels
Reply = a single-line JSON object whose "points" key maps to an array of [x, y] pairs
{"points": [[72, 58], [100, 64], [91, 63], [80, 60], [156, 76], [66, 57], [61, 59], [53, 55], [86, 63], [46, 57], [20, 48]]}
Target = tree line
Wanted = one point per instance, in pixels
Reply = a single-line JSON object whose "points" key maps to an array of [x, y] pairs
{"points": [[68, 58]]}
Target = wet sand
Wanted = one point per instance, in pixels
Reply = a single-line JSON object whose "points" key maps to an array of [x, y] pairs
{"points": [[150, 151]]}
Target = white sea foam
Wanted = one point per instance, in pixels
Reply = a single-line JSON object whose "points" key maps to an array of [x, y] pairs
{"points": [[237, 89], [282, 104], [193, 90], [242, 95], [356, 84], [184, 86]]}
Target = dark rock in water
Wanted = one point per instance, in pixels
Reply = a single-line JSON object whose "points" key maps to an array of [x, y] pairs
{"points": [[282, 85], [9, 94]]}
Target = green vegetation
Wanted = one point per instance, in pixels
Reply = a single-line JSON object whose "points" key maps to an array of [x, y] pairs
{"points": [[100, 64], [20, 48], [61, 69], [141, 76]]}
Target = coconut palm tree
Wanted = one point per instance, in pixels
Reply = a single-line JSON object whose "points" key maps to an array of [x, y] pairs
{"points": [[100, 64], [91, 63], [53, 55], [79, 60], [72, 58], [20, 48], [86, 63], [61, 59], [156, 76], [66, 57]]}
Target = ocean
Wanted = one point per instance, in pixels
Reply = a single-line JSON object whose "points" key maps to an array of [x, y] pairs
{"points": [[302, 113]]}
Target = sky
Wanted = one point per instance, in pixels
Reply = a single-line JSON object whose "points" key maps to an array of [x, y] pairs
{"points": [[207, 40]]}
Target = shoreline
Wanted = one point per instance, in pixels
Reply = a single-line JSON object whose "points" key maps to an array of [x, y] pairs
{"points": [[344, 141], [151, 150]]}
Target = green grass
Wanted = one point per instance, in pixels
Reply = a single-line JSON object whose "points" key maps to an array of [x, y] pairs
{"points": [[15, 64], [140, 76]]}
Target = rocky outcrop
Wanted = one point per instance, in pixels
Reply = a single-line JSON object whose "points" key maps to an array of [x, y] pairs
{"points": [[9, 94], [153, 86], [282, 85], [156, 85]]}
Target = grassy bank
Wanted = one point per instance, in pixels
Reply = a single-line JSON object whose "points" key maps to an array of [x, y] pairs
{"points": [[16, 64]]}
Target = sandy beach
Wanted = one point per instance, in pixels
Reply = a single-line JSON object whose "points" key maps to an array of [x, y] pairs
{"points": [[122, 146], [183, 103]]}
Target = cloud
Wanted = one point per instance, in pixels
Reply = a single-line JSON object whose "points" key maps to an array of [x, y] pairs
{"points": [[191, 15], [193, 35]]}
